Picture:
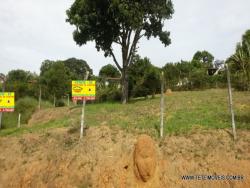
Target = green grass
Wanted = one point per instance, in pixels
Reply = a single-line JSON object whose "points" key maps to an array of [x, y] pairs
{"points": [[26, 106], [44, 127], [185, 111]]}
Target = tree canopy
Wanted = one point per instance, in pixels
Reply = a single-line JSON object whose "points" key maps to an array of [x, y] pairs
{"points": [[20, 82], [56, 79], [144, 78], [204, 57], [78, 68], [109, 71], [121, 22], [241, 62]]}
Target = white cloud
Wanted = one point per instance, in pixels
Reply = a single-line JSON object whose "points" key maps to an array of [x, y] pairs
{"points": [[32, 31]]}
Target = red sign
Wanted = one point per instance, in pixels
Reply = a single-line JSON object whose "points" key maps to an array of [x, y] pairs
{"points": [[89, 98], [7, 109]]}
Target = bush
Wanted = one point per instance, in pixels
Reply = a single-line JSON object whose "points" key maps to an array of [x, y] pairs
{"points": [[108, 94], [26, 106], [60, 103]]}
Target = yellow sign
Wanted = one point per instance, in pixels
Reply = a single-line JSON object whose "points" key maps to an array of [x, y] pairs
{"points": [[7, 101], [83, 90]]}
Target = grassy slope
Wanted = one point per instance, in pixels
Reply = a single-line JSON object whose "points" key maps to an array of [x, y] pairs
{"points": [[184, 111], [26, 106]]}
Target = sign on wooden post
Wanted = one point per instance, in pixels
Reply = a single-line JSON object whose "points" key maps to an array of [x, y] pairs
{"points": [[83, 90]]}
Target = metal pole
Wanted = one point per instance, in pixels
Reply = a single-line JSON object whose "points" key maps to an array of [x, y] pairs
{"points": [[230, 101], [83, 110], [162, 105]]}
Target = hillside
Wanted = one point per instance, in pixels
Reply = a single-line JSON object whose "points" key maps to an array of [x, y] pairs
{"points": [[48, 153]]}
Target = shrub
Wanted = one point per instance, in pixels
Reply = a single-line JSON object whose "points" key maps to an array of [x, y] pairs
{"points": [[60, 103], [108, 94], [26, 106]]}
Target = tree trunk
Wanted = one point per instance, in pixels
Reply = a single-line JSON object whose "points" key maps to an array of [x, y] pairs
{"points": [[124, 83]]}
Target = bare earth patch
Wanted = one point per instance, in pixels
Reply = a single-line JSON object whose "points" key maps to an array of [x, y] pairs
{"points": [[104, 158], [47, 115]]}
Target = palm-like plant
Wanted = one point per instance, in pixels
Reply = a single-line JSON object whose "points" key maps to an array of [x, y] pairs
{"points": [[241, 59]]}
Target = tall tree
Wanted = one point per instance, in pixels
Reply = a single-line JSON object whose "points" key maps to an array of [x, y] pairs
{"points": [[121, 22]]}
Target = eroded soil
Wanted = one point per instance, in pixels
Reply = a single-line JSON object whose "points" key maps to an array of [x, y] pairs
{"points": [[104, 158]]}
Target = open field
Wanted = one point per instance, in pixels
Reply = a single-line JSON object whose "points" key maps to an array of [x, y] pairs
{"points": [[47, 151], [184, 111]]}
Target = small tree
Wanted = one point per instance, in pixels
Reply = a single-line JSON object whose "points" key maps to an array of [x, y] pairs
{"points": [[19, 82], [78, 68], [109, 71], [144, 78], [241, 60], [121, 22], [56, 79], [204, 57]]}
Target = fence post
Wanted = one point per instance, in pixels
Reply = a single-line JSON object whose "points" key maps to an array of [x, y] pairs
{"points": [[19, 120], [162, 105], [83, 110], [68, 99], [40, 97], [230, 101], [54, 100], [3, 78], [1, 119]]}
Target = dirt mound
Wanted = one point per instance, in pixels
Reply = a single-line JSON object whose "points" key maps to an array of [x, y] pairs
{"points": [[145, 158], [104, 158], [169, 92]]}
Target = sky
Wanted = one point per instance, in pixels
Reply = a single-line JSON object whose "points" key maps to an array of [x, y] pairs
{"points": [[33, 31]]}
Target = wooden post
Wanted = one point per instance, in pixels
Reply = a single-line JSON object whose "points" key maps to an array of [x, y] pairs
{"points": [[3, 90], [162, 105], [82, 118], [83, 110], [40, 98], [19, 120], [54, 100], [68, 99], [1, 119], [230, 101]]}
